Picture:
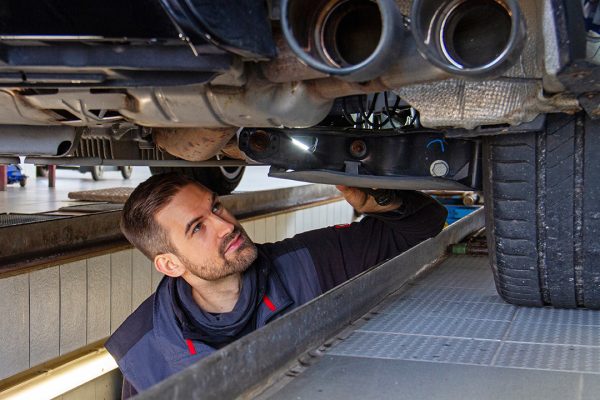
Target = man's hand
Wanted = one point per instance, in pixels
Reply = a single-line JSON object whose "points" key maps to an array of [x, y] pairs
{"points": [[364, 203]]}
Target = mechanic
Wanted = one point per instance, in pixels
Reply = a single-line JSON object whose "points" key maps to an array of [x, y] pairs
{"points": [[219, 285]]}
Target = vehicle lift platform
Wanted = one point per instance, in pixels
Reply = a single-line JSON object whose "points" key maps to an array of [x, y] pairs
{"points": [[424, 325]]}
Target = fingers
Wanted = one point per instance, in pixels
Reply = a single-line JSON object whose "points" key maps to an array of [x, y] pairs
{"points": [[356, 197], [363, 202]]}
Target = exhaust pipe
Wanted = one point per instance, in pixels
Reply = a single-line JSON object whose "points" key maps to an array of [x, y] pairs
{"points": [[355, 40], [470, 38]]}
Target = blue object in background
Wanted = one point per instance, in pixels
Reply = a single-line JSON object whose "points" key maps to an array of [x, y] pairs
{"points": [[15, 175], [456, 208], [457, 212]]}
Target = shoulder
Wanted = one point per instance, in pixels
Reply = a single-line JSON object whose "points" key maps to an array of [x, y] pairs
{"points": [[287, 255], [135, 327]]}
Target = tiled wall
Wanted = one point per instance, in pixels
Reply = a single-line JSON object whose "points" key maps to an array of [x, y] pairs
{"points": [[54, 311]]}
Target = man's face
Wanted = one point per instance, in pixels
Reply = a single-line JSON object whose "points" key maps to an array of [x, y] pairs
{"points": [[208, 240]]}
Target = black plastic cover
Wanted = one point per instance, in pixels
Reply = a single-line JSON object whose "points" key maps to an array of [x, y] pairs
{"points": [[106, 18], [239, 26]]}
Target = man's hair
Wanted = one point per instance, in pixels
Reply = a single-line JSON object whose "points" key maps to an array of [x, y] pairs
{"points": [[138, 222]]}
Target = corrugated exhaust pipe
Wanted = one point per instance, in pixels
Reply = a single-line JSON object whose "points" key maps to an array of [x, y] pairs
{"points": [[470, 38], [355, 40]]}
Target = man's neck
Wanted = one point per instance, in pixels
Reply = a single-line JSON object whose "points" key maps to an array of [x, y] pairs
{"points": [[216, 296]]}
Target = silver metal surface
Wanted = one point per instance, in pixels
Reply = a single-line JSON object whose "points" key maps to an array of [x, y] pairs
{"points": [[455, 316], [549, 357], [368, 181], [17, 219], [468, 104], [483, 311], [437, 326], [35, 140], [418, 347]]}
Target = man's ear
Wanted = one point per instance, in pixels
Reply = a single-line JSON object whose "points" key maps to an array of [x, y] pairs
{"points": [[169, 264]]}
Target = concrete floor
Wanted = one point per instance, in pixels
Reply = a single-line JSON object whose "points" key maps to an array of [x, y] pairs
{"points": [[36, 196]]}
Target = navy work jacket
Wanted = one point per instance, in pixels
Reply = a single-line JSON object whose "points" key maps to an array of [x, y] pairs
{"points": [[168, 332]]}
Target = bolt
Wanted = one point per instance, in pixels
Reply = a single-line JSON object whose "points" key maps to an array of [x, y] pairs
{"points": [[358, 148], [439, 168]]}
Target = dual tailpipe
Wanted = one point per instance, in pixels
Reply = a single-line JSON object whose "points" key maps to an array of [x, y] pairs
{"points": [[357, 40]]}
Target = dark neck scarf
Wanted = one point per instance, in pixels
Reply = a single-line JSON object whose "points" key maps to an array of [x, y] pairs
{"points": [[217, 330]]}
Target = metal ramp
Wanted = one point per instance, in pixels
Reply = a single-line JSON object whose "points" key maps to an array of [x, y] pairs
{"points": [[450, 336]]}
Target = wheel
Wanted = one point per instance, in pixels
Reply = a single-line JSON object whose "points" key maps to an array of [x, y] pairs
{"points": [[126, 171], [222, 180], [97, 172], [41, 171], [543, 213], [23, 181]]}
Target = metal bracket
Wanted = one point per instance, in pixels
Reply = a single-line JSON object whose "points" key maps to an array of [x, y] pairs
{"points": [[353, 178]]}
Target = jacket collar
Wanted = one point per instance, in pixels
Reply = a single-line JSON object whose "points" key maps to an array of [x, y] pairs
{"points": [[266, 297]]}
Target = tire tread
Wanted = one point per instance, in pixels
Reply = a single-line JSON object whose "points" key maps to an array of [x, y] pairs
{"points": [[544, 214]]}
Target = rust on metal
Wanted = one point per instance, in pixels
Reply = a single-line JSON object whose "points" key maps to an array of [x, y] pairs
{"points": [[193, 144]]}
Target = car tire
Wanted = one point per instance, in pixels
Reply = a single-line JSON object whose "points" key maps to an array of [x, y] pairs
{"points": [[97, 172], [222, 180], [126, 171], [542, 194]]}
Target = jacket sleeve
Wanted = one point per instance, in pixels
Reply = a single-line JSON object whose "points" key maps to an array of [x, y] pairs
{"points": [[342, 252]]}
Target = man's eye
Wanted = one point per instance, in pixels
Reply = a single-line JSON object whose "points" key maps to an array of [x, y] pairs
{"points": [[197, 228], [217, 208]]}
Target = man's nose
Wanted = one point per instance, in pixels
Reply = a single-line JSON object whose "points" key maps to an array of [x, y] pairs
{"points": [[221, 226]]}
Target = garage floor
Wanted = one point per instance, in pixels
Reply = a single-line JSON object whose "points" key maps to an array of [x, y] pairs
{"points": [[451, 337]]}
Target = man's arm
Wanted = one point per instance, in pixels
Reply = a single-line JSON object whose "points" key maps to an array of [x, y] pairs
{"points": [[340, 253]]}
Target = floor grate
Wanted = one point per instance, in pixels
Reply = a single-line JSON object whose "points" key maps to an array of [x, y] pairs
{"points": [[9, 219], [454, 315]]}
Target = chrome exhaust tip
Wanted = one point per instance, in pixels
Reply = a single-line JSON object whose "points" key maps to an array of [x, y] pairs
{"points": [[470, 38], [350, 39]]}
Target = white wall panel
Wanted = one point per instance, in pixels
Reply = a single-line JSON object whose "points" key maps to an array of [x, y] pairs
{"points": [[44, 320], [260, 230], [338, 212], [14, 309], [249, 228], [73, 306], [271, 229], [141, 278], [322, 210], [290, 224], [120, 287], [98, 298], [280, 226], [156, 277]]}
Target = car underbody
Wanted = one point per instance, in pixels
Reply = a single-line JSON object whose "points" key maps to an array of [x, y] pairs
{"points": [[183, 81]]}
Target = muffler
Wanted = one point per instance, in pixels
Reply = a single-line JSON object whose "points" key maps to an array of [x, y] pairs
{"points": [[355, 40], [470, 38]]}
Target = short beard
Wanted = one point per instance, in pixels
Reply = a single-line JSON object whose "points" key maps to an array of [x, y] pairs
{"points": [[246, 254]]}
